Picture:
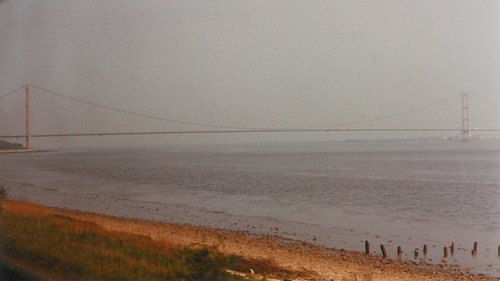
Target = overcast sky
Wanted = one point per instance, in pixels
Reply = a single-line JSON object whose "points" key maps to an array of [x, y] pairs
{"points": [[282, 64]]}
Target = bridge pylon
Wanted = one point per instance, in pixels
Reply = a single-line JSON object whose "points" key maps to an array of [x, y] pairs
{"points": [[466, 133], [28, 118]]}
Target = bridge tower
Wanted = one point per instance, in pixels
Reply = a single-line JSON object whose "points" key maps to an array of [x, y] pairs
{"points": [[466, 134], [28, 117]]}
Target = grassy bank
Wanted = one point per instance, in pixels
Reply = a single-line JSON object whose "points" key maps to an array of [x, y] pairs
{"points": [[63, 248], [62, 244]]}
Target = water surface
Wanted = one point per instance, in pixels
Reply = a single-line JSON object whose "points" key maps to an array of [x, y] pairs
{"points": [[335, 194]]}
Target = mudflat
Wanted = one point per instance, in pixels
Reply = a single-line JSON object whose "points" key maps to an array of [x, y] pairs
{"points": [[314, 262]]}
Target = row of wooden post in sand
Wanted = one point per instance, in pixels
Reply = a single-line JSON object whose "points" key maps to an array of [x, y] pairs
{"points": [[416, 253]]}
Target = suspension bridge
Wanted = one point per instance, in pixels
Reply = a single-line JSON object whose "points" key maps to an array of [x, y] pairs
{"points": [[465, 130]]}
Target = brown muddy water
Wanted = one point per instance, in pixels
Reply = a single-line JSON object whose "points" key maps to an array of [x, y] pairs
{"points": [[336, 194]]}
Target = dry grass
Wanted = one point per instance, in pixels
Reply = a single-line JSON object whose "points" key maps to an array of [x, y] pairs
{"points": [[268, 256], [80, 250]]}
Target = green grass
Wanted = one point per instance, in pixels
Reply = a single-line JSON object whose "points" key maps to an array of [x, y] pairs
{"points": [[84, 251]]}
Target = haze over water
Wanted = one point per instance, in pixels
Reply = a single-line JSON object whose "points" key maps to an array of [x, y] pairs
{"points": [[180, 65], [334, 194]]}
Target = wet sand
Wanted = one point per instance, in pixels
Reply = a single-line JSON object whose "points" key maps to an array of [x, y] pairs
{"points": [[164, 210], [318, 263]]}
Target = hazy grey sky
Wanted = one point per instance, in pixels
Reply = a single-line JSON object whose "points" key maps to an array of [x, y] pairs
{"points": [[252, 63]]}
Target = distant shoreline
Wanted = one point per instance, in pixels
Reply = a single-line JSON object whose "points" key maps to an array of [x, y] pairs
{"points": [[320, 262]]}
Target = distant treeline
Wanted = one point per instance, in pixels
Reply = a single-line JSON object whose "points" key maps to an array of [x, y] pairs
{"points": [[9, 145]]}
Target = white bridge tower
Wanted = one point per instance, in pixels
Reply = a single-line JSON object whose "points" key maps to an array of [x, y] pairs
{"points": [[466, 134]]}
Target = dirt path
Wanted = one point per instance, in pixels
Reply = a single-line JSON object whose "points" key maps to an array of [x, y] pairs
{"points": [[320, 263]]}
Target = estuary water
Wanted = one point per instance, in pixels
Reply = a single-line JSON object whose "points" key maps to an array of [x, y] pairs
{"points": [[335, 194]]}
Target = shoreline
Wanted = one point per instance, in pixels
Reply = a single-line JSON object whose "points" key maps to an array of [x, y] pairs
{"points": [[172, 211], [321, 263], [259, 188]]}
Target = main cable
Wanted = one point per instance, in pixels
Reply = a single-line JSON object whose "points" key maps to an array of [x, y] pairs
{"points": [[148, 116], [12, 92], [389, 116], [153, 117]]}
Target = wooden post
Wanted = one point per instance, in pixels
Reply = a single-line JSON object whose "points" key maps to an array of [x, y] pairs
{"points": [[400, 252], [475, 247], [425, 250], [452, 249], [384, 253], [445, 252], [415, 255], [499, 251], [28, 117], [367, 247]]}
